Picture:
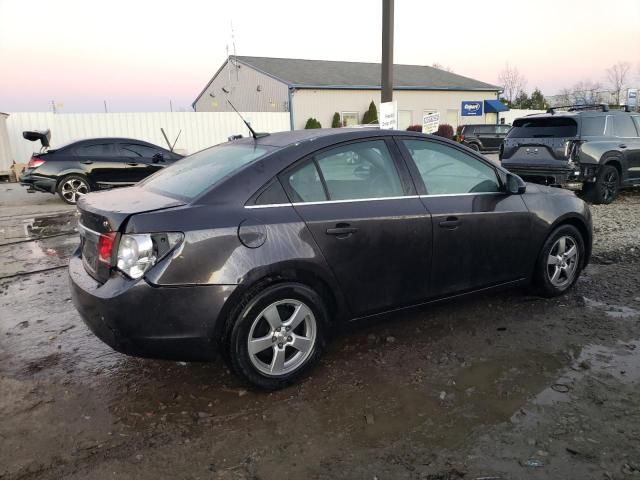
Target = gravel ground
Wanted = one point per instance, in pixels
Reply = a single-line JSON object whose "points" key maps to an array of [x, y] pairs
{"points": [[499, 386]]}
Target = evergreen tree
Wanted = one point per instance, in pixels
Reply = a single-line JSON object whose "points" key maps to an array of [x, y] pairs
{"points": [[537, 100], [371, 115], [312, 123], [335, 123]]}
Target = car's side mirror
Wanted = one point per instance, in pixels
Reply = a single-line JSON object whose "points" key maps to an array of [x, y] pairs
{"points": [[157, 158], [515, 185]]}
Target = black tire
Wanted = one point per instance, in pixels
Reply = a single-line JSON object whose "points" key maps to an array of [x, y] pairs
{"points": [[248, 313], [475, 147], [606, 187], [543, 271], [71, 187]]}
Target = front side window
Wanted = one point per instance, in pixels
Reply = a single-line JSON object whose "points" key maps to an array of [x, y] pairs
{"points": [[623, 126], [135, 150], [503, 129], [193, 175], [448, 171], [360, 170]]}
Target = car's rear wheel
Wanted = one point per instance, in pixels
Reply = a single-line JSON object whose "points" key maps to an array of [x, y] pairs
{"points": [[560, 261], [277, 335], [475, 147], [606, 187], [72, 187]]}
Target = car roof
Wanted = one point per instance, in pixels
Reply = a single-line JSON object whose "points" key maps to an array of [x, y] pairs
{"points": [[578, 114], [327, 135]]}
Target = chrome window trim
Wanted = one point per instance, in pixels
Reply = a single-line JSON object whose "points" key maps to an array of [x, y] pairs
{"points": [[374, 199], [88, 230]]}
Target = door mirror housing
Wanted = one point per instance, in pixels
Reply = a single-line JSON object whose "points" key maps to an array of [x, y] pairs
{"points": [[157, 158], [515, 185]]}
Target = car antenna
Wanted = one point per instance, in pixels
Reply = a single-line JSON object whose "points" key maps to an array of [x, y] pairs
{"points": [[253, 133]]}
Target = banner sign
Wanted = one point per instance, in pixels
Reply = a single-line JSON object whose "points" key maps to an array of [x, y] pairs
{"points": [[471, 109], [431, 122], [389, 115], [632, 98]]}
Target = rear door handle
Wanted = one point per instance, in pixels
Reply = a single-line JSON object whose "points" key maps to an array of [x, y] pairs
{"points": [[87, 162], [133, 164], [450, 223], [342, 230], [622, 145]]}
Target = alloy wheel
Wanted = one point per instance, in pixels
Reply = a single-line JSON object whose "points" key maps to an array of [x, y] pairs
{"points": [[73, 189], [609, 185], [562, 262], [282, 337]]}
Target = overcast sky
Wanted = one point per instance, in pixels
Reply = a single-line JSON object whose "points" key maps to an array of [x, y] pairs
{"points": [[138, 54]]}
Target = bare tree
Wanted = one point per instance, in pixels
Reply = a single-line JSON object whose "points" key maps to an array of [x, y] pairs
{"points": [[512, 81], [618, 75], [586, 93]]}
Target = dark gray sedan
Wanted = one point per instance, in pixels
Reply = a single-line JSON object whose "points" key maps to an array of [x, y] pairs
{"points": [[261, 248]]}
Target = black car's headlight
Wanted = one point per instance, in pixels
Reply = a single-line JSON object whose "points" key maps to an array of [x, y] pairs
{"points": [[138, 252]]}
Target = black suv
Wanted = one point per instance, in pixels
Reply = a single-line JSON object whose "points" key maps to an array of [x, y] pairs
{"points": [[482, 137], [587, 146]]}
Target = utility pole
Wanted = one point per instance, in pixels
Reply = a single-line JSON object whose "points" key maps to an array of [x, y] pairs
{"points": [[387, 51], [105, 107], [53, 106], [170, 105]]}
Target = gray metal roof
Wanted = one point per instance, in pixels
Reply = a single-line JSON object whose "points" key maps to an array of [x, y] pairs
{"points": [[300, 73]]}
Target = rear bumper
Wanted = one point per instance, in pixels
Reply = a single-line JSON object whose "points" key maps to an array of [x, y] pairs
{"points": [[136, 318], [544, 173], [38, 183]]}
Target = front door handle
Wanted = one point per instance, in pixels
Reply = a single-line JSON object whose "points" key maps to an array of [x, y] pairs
{"points": [[342, 230], [87, 162], [622, 145], [133, 164], [451, 223]]}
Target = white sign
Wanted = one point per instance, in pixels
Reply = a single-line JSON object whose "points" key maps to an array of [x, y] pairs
{"points": [[389, 115], [632, 98], [431, 122]]}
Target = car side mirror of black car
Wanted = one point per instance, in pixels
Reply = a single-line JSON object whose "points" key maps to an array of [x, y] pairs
{"points": [[157, 158], [515, 185]]}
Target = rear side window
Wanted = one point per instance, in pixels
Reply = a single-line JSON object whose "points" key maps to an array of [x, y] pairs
{"points": [[636, 120], [592, 126], [99, 150], [448, 171], [485, 129], [623, 126], [305, 183], [193, 175], [360, 170], [546, 127], [503, 129]]}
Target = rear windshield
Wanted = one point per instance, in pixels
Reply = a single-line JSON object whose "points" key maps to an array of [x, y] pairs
{"points": [[193, 175], [550, 127]]}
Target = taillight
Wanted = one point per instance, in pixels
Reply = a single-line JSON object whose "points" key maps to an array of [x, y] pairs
{"points": [[105, 247], [35, 162], [462, 137]]}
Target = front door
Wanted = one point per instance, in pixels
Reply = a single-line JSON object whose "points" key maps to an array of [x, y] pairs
{"points": [[141, 160], [632, 147], [480, 234], [358, 202]]}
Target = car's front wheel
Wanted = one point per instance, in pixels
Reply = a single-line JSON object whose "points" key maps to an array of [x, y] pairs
{"points": [[277, 335], [72, 187], [560, 261]]}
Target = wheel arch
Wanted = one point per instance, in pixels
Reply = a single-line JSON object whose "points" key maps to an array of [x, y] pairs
{"points": [[616, 160], [581, 226], [305, 273], [64, 174]]}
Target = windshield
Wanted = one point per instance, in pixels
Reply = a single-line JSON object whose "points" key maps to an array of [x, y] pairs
{"points": [[547, 127], [193, 175]]}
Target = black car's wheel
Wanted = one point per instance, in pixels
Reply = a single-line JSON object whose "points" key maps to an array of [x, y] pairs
{"points": [[277, 335], [560, 261], [606, 187], [475, 147], [72, 187]]}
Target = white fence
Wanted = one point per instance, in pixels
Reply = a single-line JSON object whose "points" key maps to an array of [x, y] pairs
{"points": [[514, 113], [199, 129]]}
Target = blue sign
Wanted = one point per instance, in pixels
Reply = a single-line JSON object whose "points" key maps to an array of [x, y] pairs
{"points": [[471, 109]]}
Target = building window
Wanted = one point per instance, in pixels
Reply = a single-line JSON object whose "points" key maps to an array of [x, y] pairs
{"points": [[404, 119], [349, 118]]}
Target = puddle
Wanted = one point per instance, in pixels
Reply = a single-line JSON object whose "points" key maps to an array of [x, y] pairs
{"points": [[613, 311], [38, 255], [18, 229], [622, 362]]}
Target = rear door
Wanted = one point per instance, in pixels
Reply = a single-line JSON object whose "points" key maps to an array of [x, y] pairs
{"points": [[625, 128], [141, 160], [488, 136], [359, 203], [101, 162], [480, 234]]}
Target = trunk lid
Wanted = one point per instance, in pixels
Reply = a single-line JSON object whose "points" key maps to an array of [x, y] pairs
{"points": [[539, 139], [102, 214]]}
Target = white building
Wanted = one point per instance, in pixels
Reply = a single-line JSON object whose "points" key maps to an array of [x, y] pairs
{"points": [[319, 89]]}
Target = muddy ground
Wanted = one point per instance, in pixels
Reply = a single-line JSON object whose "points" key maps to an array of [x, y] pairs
{"points": [[501, 386]]}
